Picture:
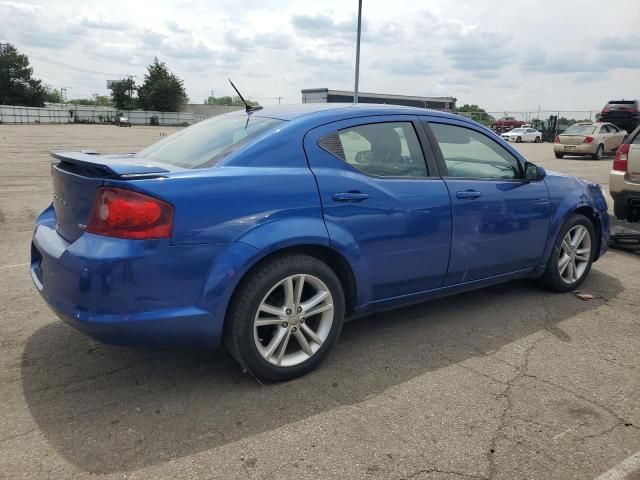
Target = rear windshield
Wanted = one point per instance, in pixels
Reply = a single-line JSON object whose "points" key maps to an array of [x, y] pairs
{"points": [[208, 141], [580, 130], [621, 103]]}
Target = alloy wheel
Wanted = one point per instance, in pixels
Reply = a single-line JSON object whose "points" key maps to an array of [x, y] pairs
{"points": [[575, 254], [293, 320]]}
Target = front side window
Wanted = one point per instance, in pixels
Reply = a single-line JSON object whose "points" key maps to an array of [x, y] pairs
{"points": [[208, 141], [469, 154], [388, 149]]}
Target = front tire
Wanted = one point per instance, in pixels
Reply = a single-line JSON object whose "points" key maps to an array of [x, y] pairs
{"points": [[572, 255], [285, 318], [537, 140], [519, 140], [559, 155]]}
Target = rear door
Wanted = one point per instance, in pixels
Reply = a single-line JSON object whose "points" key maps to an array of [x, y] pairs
{"points": [[382, 198], [500, 221], [605, 136]]}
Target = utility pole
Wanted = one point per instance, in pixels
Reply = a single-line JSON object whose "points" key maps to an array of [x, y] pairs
{"points": [[95, 99], [130, 77], [63, 93], [355, 89], [279, 98]]}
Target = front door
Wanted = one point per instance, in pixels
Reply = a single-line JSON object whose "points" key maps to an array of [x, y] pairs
{"points": [[500, 220], [383, 200]]}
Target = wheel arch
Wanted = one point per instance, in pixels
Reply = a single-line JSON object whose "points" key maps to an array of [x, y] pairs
{"points": [[334, 259], [594, 218]]}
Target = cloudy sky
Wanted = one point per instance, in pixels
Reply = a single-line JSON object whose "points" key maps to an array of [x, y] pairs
{"points": [[503, 55]]}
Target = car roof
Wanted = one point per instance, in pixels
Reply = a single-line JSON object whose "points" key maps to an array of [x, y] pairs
{"points": [[337, 111]]}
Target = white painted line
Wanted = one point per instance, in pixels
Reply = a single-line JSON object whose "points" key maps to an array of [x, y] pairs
{"points": [[14, 266], [623, 469]]}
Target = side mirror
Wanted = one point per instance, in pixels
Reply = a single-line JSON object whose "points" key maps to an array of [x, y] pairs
{"points": [[533, 173]]}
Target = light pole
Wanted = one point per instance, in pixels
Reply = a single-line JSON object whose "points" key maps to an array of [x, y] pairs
{"points": [[355, 88]]}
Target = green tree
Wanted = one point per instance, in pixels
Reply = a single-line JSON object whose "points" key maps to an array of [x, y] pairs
{"points": [[228, 101], [122, 94], [476, 113], [100, 101], [16, 85], [52, 95], [161, 90]]}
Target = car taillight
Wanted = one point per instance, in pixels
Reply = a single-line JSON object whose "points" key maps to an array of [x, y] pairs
{"points": [[122, 213], [587, 140], [606, 110], [557, 139], [633, 110], [622, 157]]}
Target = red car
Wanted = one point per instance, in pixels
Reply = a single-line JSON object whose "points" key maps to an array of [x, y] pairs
{"points": [[505, 124]]}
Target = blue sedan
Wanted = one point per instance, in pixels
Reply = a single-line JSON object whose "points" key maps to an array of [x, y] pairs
{"points": [[263, 230]]}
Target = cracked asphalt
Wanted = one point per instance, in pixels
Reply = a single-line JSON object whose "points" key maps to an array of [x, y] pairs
{"points": [[508, 382]]}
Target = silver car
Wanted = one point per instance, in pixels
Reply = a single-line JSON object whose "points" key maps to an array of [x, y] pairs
{"points": [[591, 139]]}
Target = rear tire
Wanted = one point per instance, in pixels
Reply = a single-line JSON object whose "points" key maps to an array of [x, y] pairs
{"points": [[599, 152], [559, 155], [568, 256], [267, 318]]}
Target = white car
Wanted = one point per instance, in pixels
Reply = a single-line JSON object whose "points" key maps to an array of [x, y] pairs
{"points": [[523, 134]]}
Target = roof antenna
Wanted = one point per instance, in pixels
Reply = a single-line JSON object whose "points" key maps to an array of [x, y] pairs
{"points": [[247, 107]]}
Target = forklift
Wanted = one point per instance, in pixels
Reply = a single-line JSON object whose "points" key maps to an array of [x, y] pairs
{"points": [[548, 128]]}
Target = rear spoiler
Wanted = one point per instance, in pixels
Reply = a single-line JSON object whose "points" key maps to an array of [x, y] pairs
{"points": [[123, 166]]}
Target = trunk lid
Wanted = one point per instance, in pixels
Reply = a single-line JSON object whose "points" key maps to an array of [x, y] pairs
{"points": [[77, 175], [571, 139]]}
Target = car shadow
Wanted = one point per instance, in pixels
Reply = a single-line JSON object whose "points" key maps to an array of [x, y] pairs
{"points": [[109, 409]]}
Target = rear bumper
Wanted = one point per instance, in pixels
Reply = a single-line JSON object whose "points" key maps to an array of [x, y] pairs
{"points": [[626, 196], [621, 185], [580, 149], [127, 292]]}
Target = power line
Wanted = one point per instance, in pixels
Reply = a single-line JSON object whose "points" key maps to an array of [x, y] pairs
{"points": [[72, 67]]}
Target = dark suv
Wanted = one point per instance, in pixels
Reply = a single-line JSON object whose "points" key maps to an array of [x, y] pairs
{"points": [[623, 114]]}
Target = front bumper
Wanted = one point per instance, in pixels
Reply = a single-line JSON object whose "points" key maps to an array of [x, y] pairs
{"points": [[580, 149], [126, 292]]}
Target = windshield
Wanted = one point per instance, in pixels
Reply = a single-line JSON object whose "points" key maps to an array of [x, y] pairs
{"points": [[517, 130], [208, 141], [580, 130]]}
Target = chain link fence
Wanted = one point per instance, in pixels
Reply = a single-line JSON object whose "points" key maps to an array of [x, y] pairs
{"points": [[539, 119], [99, 115]]}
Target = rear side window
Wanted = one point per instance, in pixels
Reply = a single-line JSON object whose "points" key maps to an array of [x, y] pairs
{"points": [[208, 141], [469, 154], [387, 149]]}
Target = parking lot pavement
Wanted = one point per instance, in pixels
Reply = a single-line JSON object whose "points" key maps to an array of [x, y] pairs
{"points": [[507, 382]]}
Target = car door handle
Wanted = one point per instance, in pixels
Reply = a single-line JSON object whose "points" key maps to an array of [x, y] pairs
{"points": [[350, 197], [471, 194]]}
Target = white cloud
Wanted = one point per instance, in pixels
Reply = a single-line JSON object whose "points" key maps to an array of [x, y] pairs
{"points": [[487, 52]]}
